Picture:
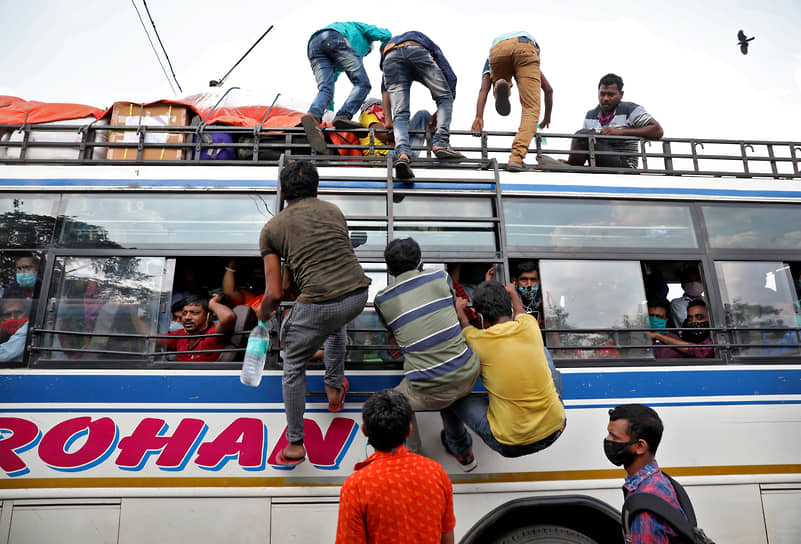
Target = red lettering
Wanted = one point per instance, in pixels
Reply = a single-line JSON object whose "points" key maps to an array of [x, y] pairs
{"points": [[245, 439], [16, 436], [148, 438], [323, 451], [101, 438]]}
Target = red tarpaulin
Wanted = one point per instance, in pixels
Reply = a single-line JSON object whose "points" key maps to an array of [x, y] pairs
{"points": [[16, 111]]}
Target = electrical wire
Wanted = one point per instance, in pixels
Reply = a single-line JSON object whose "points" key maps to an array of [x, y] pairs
{"points": [[152, 46], [166, 56]]}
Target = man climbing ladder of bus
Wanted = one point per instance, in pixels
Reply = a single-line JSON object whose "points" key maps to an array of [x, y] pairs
{"points": [[312, 237]]}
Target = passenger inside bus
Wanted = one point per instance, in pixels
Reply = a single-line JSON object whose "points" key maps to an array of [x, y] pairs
{"points": [[197, 324], [14, 313], [690, 278], [26, 281], [693, 343], [658, 318], [243, 282]]}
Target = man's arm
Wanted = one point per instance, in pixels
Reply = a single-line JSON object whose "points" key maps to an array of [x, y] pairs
{"points": [[517, 304], [229, 284], [11, 349], [351, 527], [461, 304], [548, 90], [447, 538], [226, 318], [387, 105], [483, 92], [272, 287], [652, 131], [647, 529]]}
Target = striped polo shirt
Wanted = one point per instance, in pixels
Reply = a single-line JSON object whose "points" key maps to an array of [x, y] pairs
{"points": [[627, 115], [419, 311]]}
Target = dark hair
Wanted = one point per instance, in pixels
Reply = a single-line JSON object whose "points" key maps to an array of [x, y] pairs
{"points": [[299, 179], [386, 416], [611, 79], [178, 306], [402, 255], [698, 302], [660, 304], [196, 300], [525, 266], [643, 421], [491, 300], [687, 273]]}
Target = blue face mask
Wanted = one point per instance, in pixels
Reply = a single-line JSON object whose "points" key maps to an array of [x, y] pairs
{"points": [[176, 326], [26, 279], [527, 290], [657, 322]]}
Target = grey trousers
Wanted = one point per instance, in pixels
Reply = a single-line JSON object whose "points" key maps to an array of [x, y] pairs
{"points": [[305, 329]]}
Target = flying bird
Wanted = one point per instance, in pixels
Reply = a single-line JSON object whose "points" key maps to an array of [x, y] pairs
{"points": [[743, 42]]}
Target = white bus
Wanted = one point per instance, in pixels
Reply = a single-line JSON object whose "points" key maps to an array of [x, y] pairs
{"points": [[106, 438]]}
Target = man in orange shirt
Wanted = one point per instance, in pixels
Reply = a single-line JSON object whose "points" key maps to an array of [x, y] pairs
{"points": [[395, 496]]}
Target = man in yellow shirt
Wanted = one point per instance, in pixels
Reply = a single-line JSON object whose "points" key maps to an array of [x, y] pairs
{"points": [[524, 412], [372, 116]]}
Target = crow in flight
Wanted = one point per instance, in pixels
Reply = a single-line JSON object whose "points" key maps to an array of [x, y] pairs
{"points": [[743, 42]]}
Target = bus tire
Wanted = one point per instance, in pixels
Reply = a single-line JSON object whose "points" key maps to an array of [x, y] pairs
{"points": [[544, 534]]}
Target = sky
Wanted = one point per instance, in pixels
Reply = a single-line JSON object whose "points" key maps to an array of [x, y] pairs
{"points": [[680, 59]]}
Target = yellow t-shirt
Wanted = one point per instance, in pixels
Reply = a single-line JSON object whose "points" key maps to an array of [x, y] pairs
{"points": [[523, 404], [368, 118]]}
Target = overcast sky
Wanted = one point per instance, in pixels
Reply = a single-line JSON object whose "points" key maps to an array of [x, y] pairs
{"points": [[680, 59]]}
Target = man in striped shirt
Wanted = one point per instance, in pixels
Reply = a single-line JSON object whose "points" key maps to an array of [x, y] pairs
{"points": [[614, 118], [418, 308]]}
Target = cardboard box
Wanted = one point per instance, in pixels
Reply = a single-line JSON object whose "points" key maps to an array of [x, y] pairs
{"points": [[154, 115]]}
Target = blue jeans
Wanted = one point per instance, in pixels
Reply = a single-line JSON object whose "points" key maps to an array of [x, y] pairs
{"points": [[419, 122], [329, 50], [402, 66], [472, 411]]}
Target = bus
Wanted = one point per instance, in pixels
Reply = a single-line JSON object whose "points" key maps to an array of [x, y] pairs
{"points": [[105, 437]]}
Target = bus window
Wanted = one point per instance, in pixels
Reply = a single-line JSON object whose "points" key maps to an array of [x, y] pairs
{"points": [[554, 223], [604, 295], [102, 307], [472, 234], [366, 233], [161, 220], [753, 227], [761, 295], [27, 221]]}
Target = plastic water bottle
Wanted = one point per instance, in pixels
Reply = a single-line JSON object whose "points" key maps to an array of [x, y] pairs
{"points": [[255, 355]]}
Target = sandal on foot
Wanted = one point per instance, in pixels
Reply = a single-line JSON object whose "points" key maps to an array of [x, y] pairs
{"points": [[502, 105], [447, 153], [338, 407], [314, 134], [288, 461], [403, 169]]}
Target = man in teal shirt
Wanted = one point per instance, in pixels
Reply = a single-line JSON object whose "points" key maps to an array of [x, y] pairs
{"points": [[337, 48]]}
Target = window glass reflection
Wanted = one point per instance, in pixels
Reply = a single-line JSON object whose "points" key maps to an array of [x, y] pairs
{"points": [[96, 296], [416, 206], [594, 295], [158, 221], [538, 223], [761, 295], [27, 221], [358, 205], [444, 236], [753, 227]]}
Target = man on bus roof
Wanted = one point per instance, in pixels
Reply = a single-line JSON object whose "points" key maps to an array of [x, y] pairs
{"points": [[197, 324], [611, 117], [311, 235], [395, 495]]}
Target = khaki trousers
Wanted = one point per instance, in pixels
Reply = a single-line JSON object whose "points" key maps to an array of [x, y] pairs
{"points": [[521, 60]]}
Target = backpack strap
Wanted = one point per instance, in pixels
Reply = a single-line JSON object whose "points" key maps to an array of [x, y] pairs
{"points": [[647, 502], [684, 500]]}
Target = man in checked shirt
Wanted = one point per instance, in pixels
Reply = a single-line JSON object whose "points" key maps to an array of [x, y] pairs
{"points": [[635, 431]]}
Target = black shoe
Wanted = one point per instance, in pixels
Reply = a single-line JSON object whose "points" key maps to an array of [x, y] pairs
{"points": [[467, 463], [502, 105], [403, 170], [314, 134], [346, 124]]}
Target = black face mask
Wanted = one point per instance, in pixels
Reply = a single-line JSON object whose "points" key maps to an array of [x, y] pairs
{"points": [[617, 453], [695, 336]]}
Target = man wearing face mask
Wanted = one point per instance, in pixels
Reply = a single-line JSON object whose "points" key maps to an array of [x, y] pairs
{"points": [[13, 328], [196, 324], [419, 310], [658, 318], [693, 290], [693, 343], [527, 281], [26, 284], [634, 433]]}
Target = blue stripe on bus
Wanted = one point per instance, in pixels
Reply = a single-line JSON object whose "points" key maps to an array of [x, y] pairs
{"points": [[190, 389], [271, 183]]}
